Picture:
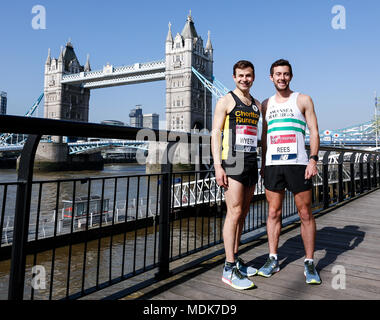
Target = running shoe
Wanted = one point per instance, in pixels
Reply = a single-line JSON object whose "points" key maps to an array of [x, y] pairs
{"points": [[271, 266], [311, 274], [245, 269], [235, 279]]}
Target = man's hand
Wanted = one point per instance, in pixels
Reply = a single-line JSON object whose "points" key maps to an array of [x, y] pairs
{"points": [[221, 177], [311, 169]]}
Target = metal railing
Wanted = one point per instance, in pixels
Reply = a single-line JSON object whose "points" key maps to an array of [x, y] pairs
{"points": [[90, 233]]}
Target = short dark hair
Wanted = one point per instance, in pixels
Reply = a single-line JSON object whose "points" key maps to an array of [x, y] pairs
{"points": [[280, 63], [242, 64]]}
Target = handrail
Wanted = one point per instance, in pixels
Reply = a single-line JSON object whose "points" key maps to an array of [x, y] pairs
{"points": [[20, 124]]}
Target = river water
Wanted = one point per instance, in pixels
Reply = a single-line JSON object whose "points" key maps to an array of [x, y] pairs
{"points": [[7, 175], [53, 195]]}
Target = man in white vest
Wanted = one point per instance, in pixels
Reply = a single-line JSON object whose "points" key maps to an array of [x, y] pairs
{"points": [[285, 164]]}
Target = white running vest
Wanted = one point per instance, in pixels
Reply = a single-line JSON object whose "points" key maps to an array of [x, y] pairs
{"points": [[286, 133]]}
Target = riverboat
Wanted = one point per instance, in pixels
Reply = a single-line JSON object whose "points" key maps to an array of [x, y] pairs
{"points": [[83, 208]]}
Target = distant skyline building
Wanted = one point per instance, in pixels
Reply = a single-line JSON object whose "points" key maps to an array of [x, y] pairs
{"points": [[136, 117], [140, 120], [151, 121], [3, 102]]}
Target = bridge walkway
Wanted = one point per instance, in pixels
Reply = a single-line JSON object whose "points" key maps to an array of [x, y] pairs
{"points": [[347, 241]]}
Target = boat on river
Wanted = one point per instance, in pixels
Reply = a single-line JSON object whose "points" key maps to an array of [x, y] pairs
{"points": [[83, 208]]}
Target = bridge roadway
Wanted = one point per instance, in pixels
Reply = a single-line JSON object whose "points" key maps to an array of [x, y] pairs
{"points": [[347, 239]]}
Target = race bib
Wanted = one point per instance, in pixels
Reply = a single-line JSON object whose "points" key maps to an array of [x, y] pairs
{"points": [[283, 147], [246, 138]]}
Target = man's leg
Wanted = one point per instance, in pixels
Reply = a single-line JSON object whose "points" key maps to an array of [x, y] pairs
{"points": [[244, 268], [308, 231], [275, 199], [234, 197], [308, 227], [248, 195]]}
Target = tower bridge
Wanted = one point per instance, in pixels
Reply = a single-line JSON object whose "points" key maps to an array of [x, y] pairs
{"points": [[67, 83]]}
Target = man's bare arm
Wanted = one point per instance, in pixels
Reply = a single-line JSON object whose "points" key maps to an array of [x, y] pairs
{"points": [[263, 136], [307, 106], [217, 127], [216, 140]]}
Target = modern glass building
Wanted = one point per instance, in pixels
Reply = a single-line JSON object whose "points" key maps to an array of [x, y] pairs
{"points": [[3, 102], [136, 117]]}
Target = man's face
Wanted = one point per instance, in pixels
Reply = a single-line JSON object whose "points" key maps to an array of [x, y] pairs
{"points": [[244, 78], [281, 77]]}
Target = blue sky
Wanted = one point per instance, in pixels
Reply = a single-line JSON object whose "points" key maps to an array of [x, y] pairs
{"points": [[339, 69]]}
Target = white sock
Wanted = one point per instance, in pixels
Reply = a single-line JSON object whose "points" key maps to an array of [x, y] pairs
{"points": [[273, 255], [309, 260]]}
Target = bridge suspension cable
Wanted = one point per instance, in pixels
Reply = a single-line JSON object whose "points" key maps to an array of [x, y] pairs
{"points": [[6, 136], [215, 87]]}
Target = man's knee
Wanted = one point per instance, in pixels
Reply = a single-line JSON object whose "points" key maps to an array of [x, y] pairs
{"points": [[235, 213], [305, 214], [274, 213]]}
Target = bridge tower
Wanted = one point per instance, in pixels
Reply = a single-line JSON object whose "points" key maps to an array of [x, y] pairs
{"points": [[188, 103], [63, 101], [67, 102]]}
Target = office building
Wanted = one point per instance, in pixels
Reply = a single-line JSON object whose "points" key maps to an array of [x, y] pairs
{"points": [[151, 121], [3, 102], [136, 117]]}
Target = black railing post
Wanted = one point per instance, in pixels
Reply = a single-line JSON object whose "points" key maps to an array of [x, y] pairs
{"points": [[340, 177], [361, 173], [352, 174], [375, 170], [164, 219], [376, 158], [22, 215], [373, 181], [378, 168], [369, 171], [325, 179]]}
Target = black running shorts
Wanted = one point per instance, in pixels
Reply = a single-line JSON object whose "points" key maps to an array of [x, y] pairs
{"points": [[291, 177], [247, 175]]}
